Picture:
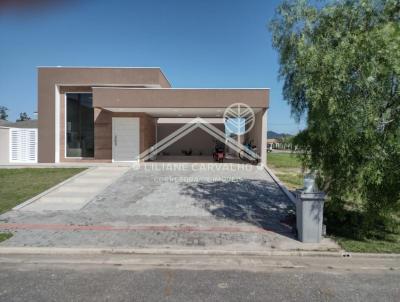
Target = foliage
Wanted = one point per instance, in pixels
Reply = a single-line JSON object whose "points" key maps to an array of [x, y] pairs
{"points": [[5, 236], [3, 113], [370, 245], [285, 139], [23, 116], [340, 64]]}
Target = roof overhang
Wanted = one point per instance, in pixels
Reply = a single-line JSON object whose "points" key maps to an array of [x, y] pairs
{"points": [[174, 112], [120, 97]]}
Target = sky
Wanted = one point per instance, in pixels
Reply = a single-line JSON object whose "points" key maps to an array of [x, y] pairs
{"points": [[197, 44]]}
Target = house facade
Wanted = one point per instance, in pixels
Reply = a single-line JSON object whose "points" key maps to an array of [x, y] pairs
{"points": [[115, 114]]}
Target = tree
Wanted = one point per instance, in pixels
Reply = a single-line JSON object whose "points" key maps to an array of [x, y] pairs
{"points": [[3, 113], [23, 116], [340, 65], [286, 141]]}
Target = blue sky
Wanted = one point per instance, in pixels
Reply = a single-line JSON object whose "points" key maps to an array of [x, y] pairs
{"points": [[202, 43]]}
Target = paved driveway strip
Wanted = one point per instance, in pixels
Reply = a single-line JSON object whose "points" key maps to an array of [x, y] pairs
{"points": [[76, 193], [201, 206]]}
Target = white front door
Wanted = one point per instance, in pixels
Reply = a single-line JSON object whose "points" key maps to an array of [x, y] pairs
{"points": [[125, 144]]}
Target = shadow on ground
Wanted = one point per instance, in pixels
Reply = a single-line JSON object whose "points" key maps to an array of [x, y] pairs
{"points": [[253, 201]]}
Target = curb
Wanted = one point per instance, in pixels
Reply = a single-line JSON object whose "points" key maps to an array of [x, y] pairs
{"points": [[188, 252], [34, 198], [372, 255], [281, 185], [150, 251]]}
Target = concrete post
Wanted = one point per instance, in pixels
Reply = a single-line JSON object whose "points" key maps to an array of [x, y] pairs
{"points": [[263, 143], [309, 215]]}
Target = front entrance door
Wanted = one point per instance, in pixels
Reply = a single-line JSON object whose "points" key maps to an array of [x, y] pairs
{"points": [[125, 144]]}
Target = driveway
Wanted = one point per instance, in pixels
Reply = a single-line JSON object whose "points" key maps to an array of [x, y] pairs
{"points": [[169, 205]]}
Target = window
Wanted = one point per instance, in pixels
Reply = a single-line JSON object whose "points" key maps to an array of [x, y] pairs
{"points": [[80, 125]]}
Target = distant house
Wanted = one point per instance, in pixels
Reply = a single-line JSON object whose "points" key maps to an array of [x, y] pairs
{"points": [[279, 143], [273, 143], [18, 141]]}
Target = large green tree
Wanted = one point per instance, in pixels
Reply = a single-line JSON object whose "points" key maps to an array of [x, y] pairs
{"points": [[340, 65]]}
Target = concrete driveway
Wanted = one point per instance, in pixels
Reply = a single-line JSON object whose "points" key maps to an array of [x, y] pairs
{"points": [[170, 206]]}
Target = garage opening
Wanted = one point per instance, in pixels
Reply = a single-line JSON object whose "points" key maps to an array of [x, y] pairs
{"points": [[196, 146]]}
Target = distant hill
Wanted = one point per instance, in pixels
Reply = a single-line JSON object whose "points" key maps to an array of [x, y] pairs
{"points": [[272, 134]]}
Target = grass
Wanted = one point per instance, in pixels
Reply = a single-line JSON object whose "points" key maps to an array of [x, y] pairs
{"points": [[283, 160], [287, 168], [291, 180], [18, 185], [370, 245], [5, 236]]}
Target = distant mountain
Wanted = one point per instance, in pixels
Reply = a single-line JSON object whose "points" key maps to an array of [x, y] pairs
{"points": [[272, 134]]}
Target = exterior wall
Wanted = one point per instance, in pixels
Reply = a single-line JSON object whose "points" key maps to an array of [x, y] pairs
{"points": [[264, 138], [103, 132], [103, 128], [109, 97], [198, 140], [148, 132], [4, 145], [50, 78], [257, 135]]}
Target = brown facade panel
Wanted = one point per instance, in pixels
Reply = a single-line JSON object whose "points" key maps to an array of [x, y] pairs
{"points": [[111, 97], [81, 76], [147, 132], [103, 132]]}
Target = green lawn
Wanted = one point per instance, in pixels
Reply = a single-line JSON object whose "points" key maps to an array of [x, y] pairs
{"points": [[18, 185], [370, 245], [287, 168], [283, 160]]}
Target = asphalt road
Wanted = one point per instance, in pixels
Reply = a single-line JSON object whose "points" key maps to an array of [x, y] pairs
{"points": [[136, 278]]}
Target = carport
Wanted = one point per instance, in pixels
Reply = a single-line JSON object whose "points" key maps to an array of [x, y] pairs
{"points": [[163, 111], [198, 145]]}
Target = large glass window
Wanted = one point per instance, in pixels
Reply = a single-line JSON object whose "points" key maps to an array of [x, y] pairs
{"points": [[80, 125]]}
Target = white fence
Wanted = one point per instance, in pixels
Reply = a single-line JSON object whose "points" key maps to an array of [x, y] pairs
{"points": [[23, 145]]}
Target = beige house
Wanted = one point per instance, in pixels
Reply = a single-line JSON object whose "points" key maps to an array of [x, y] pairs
{"points": [[273, 143], [114, 114]]}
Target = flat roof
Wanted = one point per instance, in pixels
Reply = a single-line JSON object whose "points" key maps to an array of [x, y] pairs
{"points": [[59, 67]]}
